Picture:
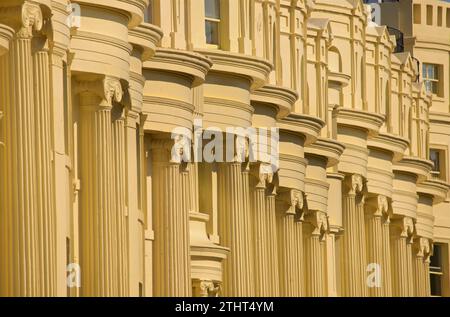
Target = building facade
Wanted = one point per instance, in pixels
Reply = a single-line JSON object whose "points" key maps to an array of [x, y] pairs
{"points": [[106, 105]]}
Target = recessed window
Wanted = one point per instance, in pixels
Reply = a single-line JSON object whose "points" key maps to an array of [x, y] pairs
{"points": [[448, 17], [436, 271], [429, 14], [438, 159], [417, 14], [439, 16], [212, 22], [148, 13], [431, 74]]}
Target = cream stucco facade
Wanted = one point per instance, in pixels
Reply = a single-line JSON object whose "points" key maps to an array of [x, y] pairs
{"points": [[99, 197]]}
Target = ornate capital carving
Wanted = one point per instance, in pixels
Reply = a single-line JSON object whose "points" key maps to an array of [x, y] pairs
{"points": [[355, 184], [319, 222], [423, 247], [263, 174], [112, 90], [405, 226], [378, 206], [207, 288], [292, 202], [109, 89], [174, 151], [242, 149], [383, 205], [24, 18]]}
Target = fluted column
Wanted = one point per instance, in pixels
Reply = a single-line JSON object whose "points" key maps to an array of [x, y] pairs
{"points": [[290, 243], [99, 235], [387, 262], [120, 215], [26, 215], [401, 231], [234, 228], [261, 235], [44, 170], [315, 228], [421, 275], [353, 271], [375, 209], [272, 243], [170, 222]]}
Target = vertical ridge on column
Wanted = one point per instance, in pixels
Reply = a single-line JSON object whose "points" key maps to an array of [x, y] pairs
{"points": [[375, 247], [47, 230], [386, 268], [261, 255], [350, 277], [171, 225], [20, 217], [287, 255], [272, 246], [233, 232]]}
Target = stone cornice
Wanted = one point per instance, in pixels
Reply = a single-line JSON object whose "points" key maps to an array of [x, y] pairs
{"points": [[101, 38], [371, 122], [436, 188], [340, 79], [6, 35], [147, 37], [389, 142], [254, 68], [328, 148], [133, 8], [282, 98], [308, 126], [178, 61], [414, 165]]}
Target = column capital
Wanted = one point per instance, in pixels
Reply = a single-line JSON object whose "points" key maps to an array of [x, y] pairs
{"points": [[319, 222], [171, 150], [405, 227], [378, 206], [291, 202], [354, 184], [263, 174], [109, 89], [423, 247], [24, 18], [207, 288]]}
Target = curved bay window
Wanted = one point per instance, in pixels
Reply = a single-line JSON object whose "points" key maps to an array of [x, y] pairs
{"points": [[212, 22]]}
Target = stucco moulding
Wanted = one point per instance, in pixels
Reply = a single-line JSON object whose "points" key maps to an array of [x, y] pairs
{"points": [[308, 126], [256, 69], [328, 148], [133, 8], [184, 62], [282, 98], [436, 188], [146, 36], [389, 142], [371, 122], [339, 79], [414, 165]]}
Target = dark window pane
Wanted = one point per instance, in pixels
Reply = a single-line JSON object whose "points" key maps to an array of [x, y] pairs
{"points": [[435, 285], [436, 259], [212, 9], [212, 32], [434, 157]]}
